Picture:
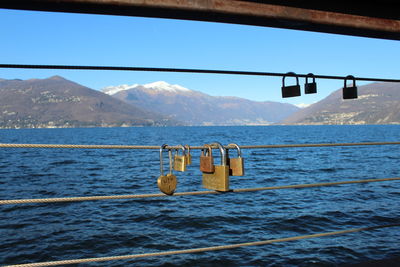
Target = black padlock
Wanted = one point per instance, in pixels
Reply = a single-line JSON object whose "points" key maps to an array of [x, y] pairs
{"points": [[350, 92], [291, 90], [310, 88]]}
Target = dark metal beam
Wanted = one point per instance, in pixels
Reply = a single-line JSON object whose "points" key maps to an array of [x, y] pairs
{"points": [[371, 8], [294, 16]]}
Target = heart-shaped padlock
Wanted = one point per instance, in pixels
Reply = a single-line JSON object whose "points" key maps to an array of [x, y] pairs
{"points": [[167, 184]]}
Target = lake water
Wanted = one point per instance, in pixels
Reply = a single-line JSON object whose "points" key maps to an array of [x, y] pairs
{"points": [[58, 231]]}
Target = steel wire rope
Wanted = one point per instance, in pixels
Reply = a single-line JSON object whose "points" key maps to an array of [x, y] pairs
{"points": [[204, 249], [76, 146], [185, 70], [242, 190]]}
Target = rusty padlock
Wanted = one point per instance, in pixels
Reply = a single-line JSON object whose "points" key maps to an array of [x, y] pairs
{"points": [[236, 165], [207, 160]]}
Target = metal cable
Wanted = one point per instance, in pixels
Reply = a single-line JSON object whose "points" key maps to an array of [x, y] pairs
{"points": [[77, 146], [183, 70], [192, 147], [205, 249], [242, 190]]}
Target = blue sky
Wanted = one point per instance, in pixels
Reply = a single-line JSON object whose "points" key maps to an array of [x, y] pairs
{"points": [[79, 39]]}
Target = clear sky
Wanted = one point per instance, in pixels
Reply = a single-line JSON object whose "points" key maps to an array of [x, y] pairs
{"points": [[79, 39]]}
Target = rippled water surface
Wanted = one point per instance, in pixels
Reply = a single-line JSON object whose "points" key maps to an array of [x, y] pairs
{"points": [[46, 232]]}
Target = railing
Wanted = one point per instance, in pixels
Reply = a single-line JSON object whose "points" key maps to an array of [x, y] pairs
{"points": [[156, 195]]}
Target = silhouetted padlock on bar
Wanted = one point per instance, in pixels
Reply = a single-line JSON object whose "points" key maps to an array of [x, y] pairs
{"points": [[310, 88], [350, 92], [291, 90]]}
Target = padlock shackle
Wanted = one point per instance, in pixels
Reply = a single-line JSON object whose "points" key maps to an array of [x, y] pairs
{"points": [[209, 148], [187, 147], [311, 75], [349, 77], [183, 149], [223, 152], [237, 148], [161, 158], [290, 74], [170, 160]]}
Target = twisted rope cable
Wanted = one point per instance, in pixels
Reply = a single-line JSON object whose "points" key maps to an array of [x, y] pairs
{"points": [[76, 146], [242, 190], [205, 249], [194, 147]]}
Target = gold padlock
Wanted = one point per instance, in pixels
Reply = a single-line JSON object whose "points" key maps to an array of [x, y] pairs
{"points": [[166, 183], [207, 160], [180, 160], [188, 155], [236, 165], [219, 179]]}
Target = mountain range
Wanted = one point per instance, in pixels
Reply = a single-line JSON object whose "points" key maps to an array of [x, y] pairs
{"points": [[196, 108], [57, 102], [377, 103]]}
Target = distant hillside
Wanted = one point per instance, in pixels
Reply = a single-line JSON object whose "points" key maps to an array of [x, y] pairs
{"points": [[57, 102], [196, 108], [377, 103]]}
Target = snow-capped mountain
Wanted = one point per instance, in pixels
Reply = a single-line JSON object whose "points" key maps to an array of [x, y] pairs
{"points": [[164, 86], [157, 86], [196, 108], [111, 90]]}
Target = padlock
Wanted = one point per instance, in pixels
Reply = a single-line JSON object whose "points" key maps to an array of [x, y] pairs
{"points": [[188, 155], [166, 183], [236, 165], [207, 160], [219, 179], [350, 92], [310, 88], [291, 90], [180, 160]]}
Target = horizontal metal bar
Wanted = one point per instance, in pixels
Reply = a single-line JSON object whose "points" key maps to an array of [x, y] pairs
{"points": [[182, 70], [261, 13]]}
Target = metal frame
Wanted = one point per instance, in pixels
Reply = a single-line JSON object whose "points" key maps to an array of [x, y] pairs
{"points": [[376, 19]]}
